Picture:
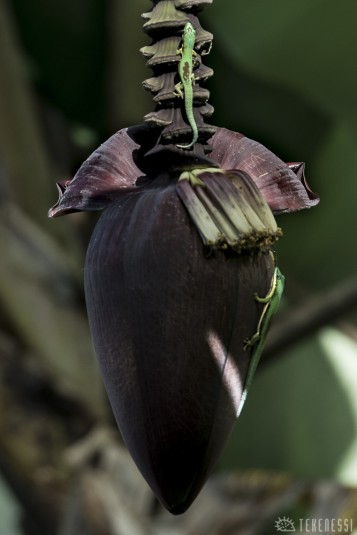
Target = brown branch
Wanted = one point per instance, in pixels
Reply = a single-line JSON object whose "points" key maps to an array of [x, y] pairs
{"points": [[21, 144], [25, 166], [314, 313], [113, 494], [38, 298]]}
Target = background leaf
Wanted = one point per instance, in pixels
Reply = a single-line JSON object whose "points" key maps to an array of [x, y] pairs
{"points": [[286, 68], [305, 46], [285, 76]]}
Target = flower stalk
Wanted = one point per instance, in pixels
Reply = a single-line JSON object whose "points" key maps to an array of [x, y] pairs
{"points": [[165, 25], [176, 261]]}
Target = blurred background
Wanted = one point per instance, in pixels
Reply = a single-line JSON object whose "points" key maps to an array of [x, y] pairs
{"points": [[70, 76]]}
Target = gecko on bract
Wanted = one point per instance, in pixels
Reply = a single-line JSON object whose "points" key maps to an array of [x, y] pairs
{"points": [[184, 89], [271, 301]]}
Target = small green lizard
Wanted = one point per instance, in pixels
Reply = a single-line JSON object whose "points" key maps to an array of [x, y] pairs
{"points": [[271, 300], [184, 89]]}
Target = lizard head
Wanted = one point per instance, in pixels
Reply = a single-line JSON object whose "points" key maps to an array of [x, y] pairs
{"points": [[189, 35]]}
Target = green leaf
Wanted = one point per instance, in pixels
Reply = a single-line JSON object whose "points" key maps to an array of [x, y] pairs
{"points": [[301, 415], [318, 245], [306, 45]]}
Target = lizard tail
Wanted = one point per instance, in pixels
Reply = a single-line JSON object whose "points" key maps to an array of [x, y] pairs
{"points": [[194, 140], [187, 146]]}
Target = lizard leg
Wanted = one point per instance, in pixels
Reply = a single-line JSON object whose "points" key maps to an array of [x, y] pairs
{"points": [[179, 90], [249, 342]]}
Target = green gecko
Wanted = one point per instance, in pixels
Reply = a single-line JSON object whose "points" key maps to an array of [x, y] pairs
{"points": [[184, 89], [271, 301]]}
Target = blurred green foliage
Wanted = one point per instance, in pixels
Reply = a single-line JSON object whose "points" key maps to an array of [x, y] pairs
{"points": [[290, 68], [285, 76], [66, 51], [9, 511]]}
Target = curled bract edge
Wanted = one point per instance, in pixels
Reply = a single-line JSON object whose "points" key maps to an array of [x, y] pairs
{"points": [[119, 166]]}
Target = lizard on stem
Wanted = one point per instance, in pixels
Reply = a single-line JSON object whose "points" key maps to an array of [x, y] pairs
{"points": [[184, 89], [271, 301]]}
